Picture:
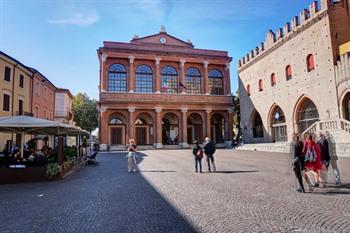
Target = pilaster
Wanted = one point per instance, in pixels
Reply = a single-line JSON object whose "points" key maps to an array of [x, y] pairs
{"points": [[205, 78], [157, 74], [131, 124], [131, 77], [184, 143], [182, 75], [158, 143], [207, 122]]}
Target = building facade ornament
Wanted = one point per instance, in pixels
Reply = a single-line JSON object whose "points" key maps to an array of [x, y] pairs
{"points": [[205, 64], [131, 59], [104, 57], [182, 62], [158, 109], [158, 59], [131, 109]]}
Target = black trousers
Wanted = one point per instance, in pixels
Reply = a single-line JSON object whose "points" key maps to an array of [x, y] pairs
{"points": [[298, 167], [210, 158]]}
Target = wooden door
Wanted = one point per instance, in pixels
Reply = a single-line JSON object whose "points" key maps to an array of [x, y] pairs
{"points": [[141, 135], [116, 136]]}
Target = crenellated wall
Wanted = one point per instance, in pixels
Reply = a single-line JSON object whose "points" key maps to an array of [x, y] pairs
{"points": [[316, 11]]}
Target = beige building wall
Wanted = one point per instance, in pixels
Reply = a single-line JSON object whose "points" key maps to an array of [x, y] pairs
{"points": [[13, 89], [290, 47]]}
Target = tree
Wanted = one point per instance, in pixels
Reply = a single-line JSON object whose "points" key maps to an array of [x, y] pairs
{"points": [[85, 112], [236, 113]]}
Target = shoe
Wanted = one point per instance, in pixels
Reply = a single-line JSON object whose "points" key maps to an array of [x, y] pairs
{"points": [[311, 188], [134, 170], [129, 170], [300, 190], [196, 171], [317, 185]]}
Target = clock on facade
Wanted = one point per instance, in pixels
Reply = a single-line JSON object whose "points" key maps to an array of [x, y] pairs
{"points": [[162, 40]]}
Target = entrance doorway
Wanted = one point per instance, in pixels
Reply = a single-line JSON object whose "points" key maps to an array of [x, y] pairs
{"points": [[278, 125], [170, 129], [116, 136], [141, 135], [194, 128], [217, 128]]}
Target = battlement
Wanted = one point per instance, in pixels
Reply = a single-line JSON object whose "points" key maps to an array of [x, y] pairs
{"points": [[297, 23]]}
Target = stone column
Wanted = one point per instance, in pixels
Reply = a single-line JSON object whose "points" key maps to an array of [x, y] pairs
{"points": [[157, 74], [158, 130], [131, 78], [184, 143], [208, 125], [228, 80], [228, 131], [103, 73], [205, 78], [131, 123], [182, 75]]}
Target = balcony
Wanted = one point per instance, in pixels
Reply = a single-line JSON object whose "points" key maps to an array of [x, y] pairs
{"points": [[164, 98]]}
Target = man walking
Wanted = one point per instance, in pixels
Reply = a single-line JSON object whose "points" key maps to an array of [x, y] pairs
{"points": [[209, 150]]}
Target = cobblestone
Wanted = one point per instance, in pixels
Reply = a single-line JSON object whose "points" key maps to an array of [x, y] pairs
{"points": [[250, 192]]}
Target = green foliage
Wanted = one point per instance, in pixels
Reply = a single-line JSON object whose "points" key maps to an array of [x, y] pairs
{"points": [[70, 153], [32, 144], [85, 142], [85, 112], [236, 116], [53, 169]]}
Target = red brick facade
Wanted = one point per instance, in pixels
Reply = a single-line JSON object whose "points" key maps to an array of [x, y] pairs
{"points": [[135, 103]]}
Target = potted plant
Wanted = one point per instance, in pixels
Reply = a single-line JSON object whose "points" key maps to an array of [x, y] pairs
{"points": [[53, 170]]}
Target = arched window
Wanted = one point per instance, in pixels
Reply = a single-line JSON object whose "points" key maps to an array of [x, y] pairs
{"points": [[169, 83], [310, 62], [216, 82], [308, 114], [248, 90], [261, 86], [258, 127], [288, 72], [116, 121], [193, 81], [273, 80], [144, 79], [117, 78]]}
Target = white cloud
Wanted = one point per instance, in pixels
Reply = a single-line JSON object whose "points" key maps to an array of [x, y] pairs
{"points": [[77, 19]]}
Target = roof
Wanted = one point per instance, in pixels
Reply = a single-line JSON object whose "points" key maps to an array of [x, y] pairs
{"points": [[64, 90], [30, 69]]}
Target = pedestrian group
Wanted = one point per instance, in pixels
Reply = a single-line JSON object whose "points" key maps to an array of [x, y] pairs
{"points": [[198, 153], [314, 157]]}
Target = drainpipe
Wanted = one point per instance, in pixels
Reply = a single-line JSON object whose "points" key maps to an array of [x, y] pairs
{"points": [[13, 92], [13, 88]]}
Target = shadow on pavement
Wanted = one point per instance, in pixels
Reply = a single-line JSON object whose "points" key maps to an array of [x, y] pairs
{"points": [[232, 172], [104, 198], [155, 171]]}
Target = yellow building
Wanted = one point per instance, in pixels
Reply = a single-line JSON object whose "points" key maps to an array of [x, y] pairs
{"points": [[15, 87]]}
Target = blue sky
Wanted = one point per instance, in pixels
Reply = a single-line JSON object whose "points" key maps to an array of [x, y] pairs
{"points": [[60, 38]]}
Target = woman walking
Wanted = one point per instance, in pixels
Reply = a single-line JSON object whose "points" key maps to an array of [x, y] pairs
{"points": [[132, 155], [313, 160], [197, 151]]}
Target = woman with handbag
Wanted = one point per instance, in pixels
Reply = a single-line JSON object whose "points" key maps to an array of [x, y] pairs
{"points": [[197, 151], [313, 160]]}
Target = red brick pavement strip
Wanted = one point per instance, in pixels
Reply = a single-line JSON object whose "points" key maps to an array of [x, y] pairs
{"points": [[251, 192]]}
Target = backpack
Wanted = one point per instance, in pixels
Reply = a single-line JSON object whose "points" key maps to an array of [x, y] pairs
{"points": [[310, 155], [199, 153]]}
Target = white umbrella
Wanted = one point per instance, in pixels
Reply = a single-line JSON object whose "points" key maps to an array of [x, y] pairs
{"points": [[30, 125]]}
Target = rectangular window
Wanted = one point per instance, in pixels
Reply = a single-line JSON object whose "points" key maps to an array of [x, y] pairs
{"points": [[7, 75], [6, 103], [45, 93], [37, 89], [21, 81], [20, 107]]}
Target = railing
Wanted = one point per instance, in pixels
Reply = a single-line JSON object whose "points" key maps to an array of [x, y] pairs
{"points": [[338, 124]]}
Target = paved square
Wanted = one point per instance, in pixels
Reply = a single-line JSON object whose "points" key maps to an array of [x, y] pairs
{"points": [[251, 192]]}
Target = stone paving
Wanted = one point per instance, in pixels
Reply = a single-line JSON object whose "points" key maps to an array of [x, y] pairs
{"points": [[250, 192]]}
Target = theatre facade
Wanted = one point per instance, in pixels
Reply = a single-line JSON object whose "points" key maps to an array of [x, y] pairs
{"points": [[160, 90]]}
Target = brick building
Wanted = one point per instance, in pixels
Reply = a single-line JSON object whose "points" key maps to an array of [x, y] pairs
{"points": [[161, 90], [298, 80], [63, 106]]}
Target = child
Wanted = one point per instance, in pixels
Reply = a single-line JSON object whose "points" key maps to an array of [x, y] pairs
{"points": [[132, 156]]}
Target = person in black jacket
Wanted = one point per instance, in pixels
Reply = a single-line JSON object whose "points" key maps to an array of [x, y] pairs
{"points": [[197, 151], [298, 162], [209, 150], [324, 147]]}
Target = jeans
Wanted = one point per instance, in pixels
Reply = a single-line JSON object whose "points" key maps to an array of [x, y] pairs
{"points": [[211, 157], [198, 161], [335, 170]]}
